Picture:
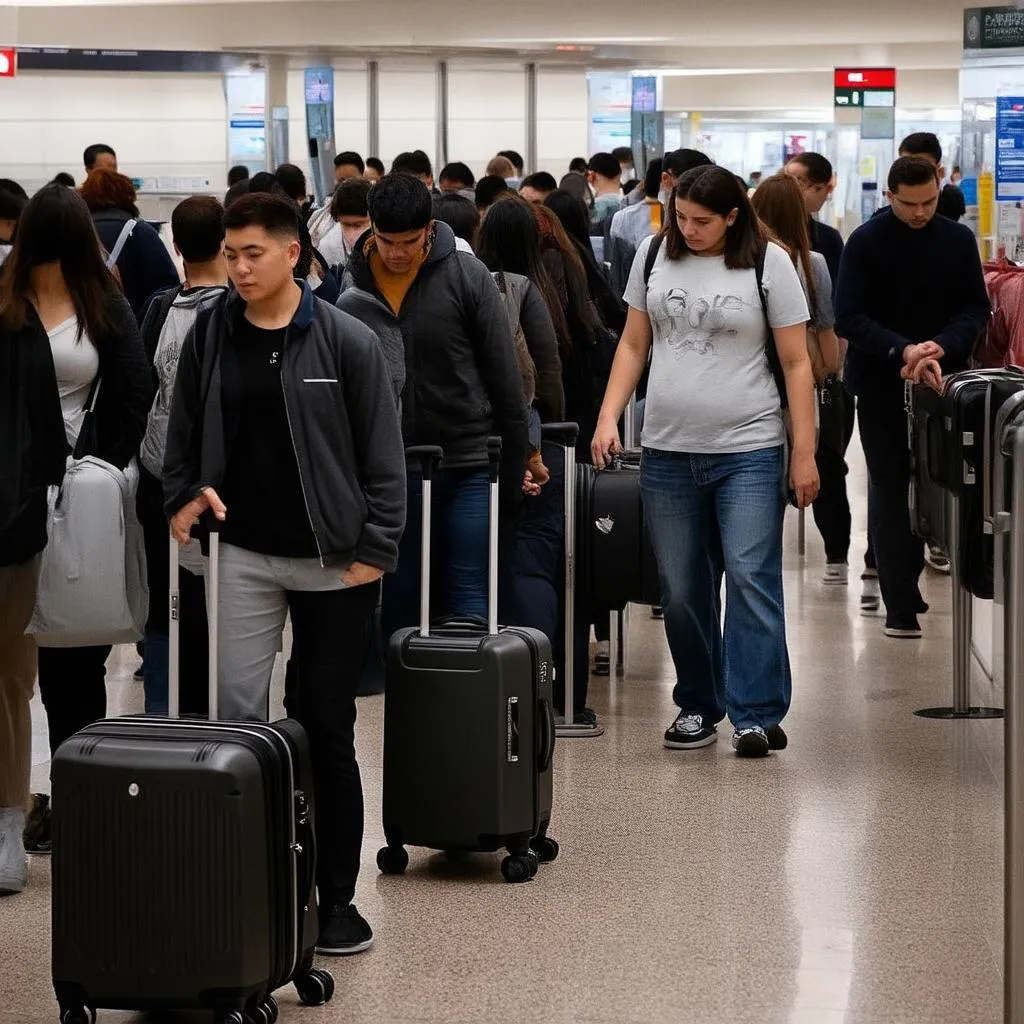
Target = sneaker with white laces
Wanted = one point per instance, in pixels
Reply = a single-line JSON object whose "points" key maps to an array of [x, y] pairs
{"points": [[13, 862], [937, 558], [689, 732], [751, 742], [837, 574], [871, 594]]}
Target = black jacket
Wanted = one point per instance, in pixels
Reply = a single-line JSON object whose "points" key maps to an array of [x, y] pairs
{"points": [[145, 265], [33, 443], [345, 429], [451, 354]]}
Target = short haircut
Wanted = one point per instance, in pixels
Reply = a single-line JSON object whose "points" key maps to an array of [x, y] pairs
{"points": [[350, 198], [460, 173], [911, 171], [816, 167], [63, 178], [679, 161], [489, 188], [501, 167], [417, 162], [197, 226], [652, 179], [922, 144], [578, 165], [460, 214], [277, 216], [400, 202], [605, 166], [92, 152], [11, 204], [541, 181], [376, 163], [292, 180], [104, 189], [350, 158], [237, 173], [517, 161], [10, 185], [240, 188], [624, 154]]}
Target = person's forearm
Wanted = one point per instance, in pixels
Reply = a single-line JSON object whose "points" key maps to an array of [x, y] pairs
{"points": [[800, 392], [627, 369], [831, 355]]}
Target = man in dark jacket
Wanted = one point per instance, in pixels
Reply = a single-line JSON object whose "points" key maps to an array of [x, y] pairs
{"points": [[440, 319], [911, 301], [283, 424]]}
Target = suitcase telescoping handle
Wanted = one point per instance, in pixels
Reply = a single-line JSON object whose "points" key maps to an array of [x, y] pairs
{"points": [[213, 619], [493, 470], [566, 435], [429, 457]]}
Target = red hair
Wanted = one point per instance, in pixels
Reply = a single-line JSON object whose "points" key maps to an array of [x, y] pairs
{"points": [[107, 190]]}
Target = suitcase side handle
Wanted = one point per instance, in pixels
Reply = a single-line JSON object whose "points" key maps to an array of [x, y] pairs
{"points": [[546, 734]]}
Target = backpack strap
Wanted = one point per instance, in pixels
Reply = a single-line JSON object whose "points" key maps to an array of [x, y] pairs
{"points": [[771, 352], [122, 240], [652, 255]]}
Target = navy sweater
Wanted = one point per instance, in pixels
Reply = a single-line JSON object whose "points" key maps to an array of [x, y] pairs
{"points": [[826, 240], [899, 286]]}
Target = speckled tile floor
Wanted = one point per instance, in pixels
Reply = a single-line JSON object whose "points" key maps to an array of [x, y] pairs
{"points": [[854, 879]]}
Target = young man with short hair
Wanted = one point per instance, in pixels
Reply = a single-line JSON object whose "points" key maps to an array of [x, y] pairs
{"points": [[517, 162], [284, 426], [911, 300], [351, 220], [632, 224], [487, 191], [442, 324], [348, 165], [416, 163], [99, 156], [238, 173], [814, 174], [457, 179], [952, 204], [603, 175], [536, 187]]}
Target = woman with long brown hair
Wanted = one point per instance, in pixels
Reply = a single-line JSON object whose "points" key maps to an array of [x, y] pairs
{"points": [[64, 326]]}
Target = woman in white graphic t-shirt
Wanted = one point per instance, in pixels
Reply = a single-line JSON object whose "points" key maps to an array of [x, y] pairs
{"points": [[720, 306]]}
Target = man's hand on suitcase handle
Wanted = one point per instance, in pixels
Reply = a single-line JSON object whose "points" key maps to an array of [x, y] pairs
{"points": [[186, 517], [358, 574]]}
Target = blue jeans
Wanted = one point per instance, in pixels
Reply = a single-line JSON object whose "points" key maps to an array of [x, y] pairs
{"points": [[710, 515], [458, 570]]}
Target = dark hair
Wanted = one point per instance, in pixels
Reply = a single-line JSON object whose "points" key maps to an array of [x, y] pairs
{"points": [[56, 226], [576, 185], [540, 180], [624, 154], [719, 191], [679, 161], [652, 179], [605, 165], [517, 161], [263, 185], [488, 188], [911, 170], [275, 214], [922, 144], [63, 178], [578, 165], [108, 190], [92, 152], [350, 158], [376, 163], [400, 202], [197, 226], [574, 217], [417, 162], [459, 173], [817, 168], [238, 173], [350, 197], [9, 185], [240, 188], [11, 204], [292, 180], [460, 214], [779, 203], [264, 181]]}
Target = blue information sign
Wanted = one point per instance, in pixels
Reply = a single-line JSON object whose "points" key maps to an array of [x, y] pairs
{"points": [[1009, 147]]}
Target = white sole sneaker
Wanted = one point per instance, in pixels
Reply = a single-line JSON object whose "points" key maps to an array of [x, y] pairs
{"points": [[695, 745], [360, 947], [903, 634], [836, 575]]}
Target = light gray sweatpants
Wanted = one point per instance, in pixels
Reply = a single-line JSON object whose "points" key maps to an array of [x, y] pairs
{"points": [[252, 610]]}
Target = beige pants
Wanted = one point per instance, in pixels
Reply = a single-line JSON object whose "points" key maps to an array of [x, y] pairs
{"points": [[17, 680]]}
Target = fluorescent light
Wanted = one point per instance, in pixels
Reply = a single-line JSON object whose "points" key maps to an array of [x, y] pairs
{"points": [[709, 72]]}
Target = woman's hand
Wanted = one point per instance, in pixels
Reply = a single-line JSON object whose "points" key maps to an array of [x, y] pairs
{"points": [[605, 443], [186, 517], [803, 478]]}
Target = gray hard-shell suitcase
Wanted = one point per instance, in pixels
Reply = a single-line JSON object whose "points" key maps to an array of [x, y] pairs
{"points": [[469, 732], [184, 860]]}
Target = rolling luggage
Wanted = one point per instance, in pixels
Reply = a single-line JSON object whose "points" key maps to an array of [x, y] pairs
{"points": [[614, 544], [928, 498], [469, 732], [184, 861]]}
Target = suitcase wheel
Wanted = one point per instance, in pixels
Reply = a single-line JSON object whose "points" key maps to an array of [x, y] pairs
{"points": [[519, 868], [78, 1015], [392, 860], [261, 1011], [233, 1017], [545, 848], [315, 988]]}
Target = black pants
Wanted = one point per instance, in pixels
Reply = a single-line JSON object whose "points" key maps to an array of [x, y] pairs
{"points": [[832, 506], [898, 552], [72, 683], [331, 637]]}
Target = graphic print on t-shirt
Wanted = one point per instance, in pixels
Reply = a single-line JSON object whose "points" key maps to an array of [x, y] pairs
{"points": [[693, 323]]}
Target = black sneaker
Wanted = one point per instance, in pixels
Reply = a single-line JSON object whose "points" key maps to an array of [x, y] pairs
{"points": [[688, 732], [751, 742], [871, 595], [587, 717], [657, 612], [602, 664], [343, 931], [903, 629], [777, 738], [37, 825]]}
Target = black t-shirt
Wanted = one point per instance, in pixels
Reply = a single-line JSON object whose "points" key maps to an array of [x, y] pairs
{"points": [[262, 489]]}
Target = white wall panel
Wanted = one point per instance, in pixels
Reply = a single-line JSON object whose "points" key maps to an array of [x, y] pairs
{"points": [[486, 113], [408, 111], [562, 119]]}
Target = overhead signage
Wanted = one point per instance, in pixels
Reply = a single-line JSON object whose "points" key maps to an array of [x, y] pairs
{"points": [[1009, 147], [993, 28], [644, 95], [8, 62], [864, 87], [53, 58]]}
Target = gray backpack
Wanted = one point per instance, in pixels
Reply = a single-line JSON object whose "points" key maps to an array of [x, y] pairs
{"points": [[513, 290]]}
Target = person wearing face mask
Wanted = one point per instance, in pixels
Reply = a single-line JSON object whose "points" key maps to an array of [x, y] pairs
{"points": [[632, 224], [350, 220]]}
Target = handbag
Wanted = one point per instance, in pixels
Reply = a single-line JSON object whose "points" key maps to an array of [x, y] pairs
{"points": [[92, 588]]}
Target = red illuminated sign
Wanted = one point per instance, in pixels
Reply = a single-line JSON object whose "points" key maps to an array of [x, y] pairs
{"points": [[8, 62], [865, 78]]}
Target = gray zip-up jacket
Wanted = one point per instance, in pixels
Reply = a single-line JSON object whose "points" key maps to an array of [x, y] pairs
{"points": [[344, 426]]}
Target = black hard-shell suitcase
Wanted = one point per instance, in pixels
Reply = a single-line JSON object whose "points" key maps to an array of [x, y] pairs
{"points": [[469, 731], [928, 498], [184, 861], [612, 537]]}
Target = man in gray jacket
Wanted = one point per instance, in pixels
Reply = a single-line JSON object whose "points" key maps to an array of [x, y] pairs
{"points": [[283, 425]]}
